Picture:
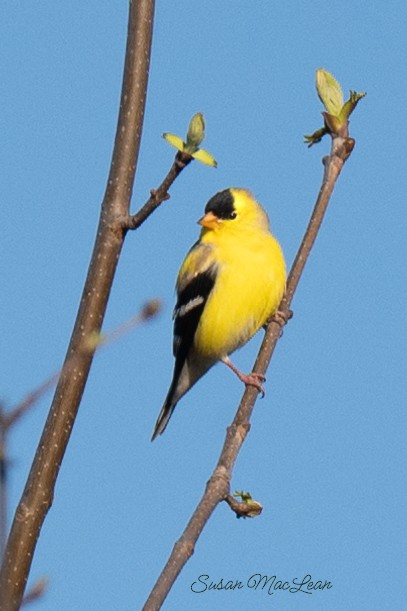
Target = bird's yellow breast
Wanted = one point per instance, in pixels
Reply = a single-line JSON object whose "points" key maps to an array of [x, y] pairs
{"points": [[249, 286]]}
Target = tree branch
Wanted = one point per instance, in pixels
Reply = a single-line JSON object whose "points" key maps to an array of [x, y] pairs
{"points": [[38, 493], [218, 486]]}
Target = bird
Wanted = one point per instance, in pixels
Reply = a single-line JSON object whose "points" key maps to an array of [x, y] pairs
{"points": [[230, 284]]}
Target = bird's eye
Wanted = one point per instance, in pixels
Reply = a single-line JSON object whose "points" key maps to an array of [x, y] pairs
{"points": [[233, 215]]}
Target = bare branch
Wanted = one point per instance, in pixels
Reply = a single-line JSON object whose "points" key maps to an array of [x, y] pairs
{"points": [[38, 493], [218, 486]]}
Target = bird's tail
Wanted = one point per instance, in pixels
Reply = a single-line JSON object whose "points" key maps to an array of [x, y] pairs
{"points": [[181, 383], [183, 379], [164, 416]]}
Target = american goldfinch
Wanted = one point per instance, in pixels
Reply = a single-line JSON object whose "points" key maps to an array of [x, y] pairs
{"points": [[230, 283]]}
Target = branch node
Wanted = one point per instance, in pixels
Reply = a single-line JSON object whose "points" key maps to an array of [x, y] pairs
{"points": [[23, 513], [242, 430], [347, 148], [220, 480], [155, 195], [182, 159], [238, 431], [184, 547]]}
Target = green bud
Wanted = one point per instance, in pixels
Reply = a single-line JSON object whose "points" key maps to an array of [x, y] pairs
{"points": [[196, 133], [254, 508], [329, 91], [336, 117]]}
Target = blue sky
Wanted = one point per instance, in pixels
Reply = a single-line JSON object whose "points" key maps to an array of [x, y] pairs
{"points": [[326, 452]]}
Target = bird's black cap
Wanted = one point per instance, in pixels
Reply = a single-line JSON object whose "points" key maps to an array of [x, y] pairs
{"points": [[222, 205]]}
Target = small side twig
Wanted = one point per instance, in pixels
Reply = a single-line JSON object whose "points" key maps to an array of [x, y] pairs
{"points": [[36, 591], [159, 195], [218, 486], [8, 418], [187, 151]]}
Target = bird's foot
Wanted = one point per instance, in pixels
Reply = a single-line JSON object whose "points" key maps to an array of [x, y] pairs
{"points": [[281, 317], [250, 379], [253, 379]]}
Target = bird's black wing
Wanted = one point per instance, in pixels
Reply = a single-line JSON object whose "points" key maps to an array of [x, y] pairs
{"points": [[193, 290]]}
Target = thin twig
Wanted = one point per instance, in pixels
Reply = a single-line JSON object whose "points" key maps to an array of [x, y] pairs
{"points": [[38, 493], [9, 418], [218, 486], [159, 195], [19, 410], [150, 309], [36, 591]]}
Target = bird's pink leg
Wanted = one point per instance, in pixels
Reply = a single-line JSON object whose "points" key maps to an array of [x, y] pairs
{"points": [[250, 379]]}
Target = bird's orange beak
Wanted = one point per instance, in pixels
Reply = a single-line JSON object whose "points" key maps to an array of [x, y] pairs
{"points": [[210, 221]]}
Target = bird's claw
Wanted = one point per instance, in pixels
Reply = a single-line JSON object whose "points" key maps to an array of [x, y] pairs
{"points": [[281, 317], [255, 379]]}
